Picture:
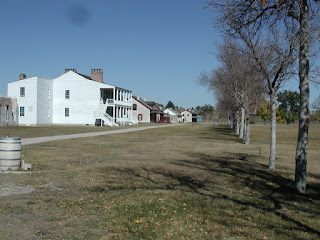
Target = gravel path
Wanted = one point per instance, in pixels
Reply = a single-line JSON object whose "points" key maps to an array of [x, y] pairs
{"points": [[28, 141]]}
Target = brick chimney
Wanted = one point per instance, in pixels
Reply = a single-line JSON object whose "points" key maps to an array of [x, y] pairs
{"points": [[22, 76], [70, 69], [97, 75]]}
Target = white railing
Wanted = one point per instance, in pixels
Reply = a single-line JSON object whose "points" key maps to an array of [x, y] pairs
{"points": [[134, 122], [115, 102], [101, 112], [107, 116], [123, 103]]}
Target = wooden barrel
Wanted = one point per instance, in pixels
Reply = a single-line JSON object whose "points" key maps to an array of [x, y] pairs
{"points": [[10, 153]]}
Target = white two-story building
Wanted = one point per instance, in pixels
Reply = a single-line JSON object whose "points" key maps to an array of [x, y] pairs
{"points": [[71, 98]]}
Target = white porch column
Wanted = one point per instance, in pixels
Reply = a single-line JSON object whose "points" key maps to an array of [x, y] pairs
{"points": [[114, 114], [117, 114], [130, 113]]}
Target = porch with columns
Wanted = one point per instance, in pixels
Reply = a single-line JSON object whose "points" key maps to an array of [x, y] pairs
{"points": [[115, 107]]}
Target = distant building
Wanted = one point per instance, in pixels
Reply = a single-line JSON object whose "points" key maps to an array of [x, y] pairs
{"points": [[9, 111], [140, 110], [71, 98], [190, 115], [196, 117], [186, 116], [175, 117], [157, 114]]}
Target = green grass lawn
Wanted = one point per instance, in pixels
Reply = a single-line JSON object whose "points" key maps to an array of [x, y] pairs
{"points": [[183, 182]]}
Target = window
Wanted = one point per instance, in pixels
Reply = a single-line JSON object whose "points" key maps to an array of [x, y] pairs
{"points": [[7, 113], [21, 111], [134, 106], [66, 112], [67, 94], [22, 92], [140, 117]]}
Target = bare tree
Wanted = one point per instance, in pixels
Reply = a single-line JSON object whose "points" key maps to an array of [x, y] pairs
{"points": [[316, 103], [226, 104], [275, 59], [238, 78], [260, 17]]}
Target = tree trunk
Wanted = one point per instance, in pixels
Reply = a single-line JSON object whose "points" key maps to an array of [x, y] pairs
{"points": [[302, 143], [247, 127], [272, 158], [242, 124], [237, 126]]}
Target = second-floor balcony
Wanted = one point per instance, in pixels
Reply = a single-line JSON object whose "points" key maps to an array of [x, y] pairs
{"points": [[112, 102]]}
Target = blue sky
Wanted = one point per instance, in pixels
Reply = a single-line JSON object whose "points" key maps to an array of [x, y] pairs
{"points": [[156, 48]]}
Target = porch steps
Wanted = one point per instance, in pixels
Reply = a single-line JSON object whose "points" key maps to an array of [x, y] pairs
{"points": [[102, 115]]}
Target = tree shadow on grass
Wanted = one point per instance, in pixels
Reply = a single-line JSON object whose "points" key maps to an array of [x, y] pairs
{"points": [[276, 191], [206, 175], [315, 176], [221, 133]]}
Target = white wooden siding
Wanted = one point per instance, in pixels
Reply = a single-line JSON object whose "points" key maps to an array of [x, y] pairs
{"points": [[186, 116], [44, 86], [83, 102], [29, 102], [45, 102]]}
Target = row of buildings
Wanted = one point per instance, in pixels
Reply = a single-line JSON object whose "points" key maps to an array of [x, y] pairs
{"points": [[75, 98]]}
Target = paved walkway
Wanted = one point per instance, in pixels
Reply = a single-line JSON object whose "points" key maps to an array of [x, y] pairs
{"points": [[28, 141]]}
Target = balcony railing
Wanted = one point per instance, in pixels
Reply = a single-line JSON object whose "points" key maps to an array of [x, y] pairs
{"points": [[115, 102]]}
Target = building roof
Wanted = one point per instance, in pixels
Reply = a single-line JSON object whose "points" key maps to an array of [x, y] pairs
{"points": [[85, 76], [174, 111], [193, 111], [89, 78], [156, 107], [142, 102], [196, 112]]}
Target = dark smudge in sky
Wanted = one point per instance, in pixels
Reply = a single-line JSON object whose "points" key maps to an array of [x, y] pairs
{"points": [[78, 15]]}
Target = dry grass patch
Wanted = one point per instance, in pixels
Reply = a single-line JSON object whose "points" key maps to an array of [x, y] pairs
{"points": [[56, 130], [184, 182]]}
